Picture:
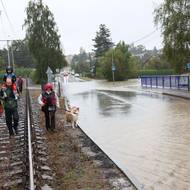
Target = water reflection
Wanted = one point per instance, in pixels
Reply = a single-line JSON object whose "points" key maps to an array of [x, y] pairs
{"points": [[109, 106], [147, 134]]}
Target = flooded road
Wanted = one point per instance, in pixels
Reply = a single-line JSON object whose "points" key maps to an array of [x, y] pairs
{"points": [[147, 135]]}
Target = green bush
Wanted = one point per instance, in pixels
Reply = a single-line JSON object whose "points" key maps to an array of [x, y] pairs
{"points": [[21, 71], [24, 72], [99, 73]]}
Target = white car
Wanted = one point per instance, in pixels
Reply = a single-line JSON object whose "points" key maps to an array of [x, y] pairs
{"points": [[76, 75]]}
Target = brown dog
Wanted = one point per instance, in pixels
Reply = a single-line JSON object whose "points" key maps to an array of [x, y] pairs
{"points": [[71, 116]]}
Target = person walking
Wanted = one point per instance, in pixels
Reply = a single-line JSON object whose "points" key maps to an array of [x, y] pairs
{"points": [[10, 106], [49, 102], [20, 84], [9, 74]]}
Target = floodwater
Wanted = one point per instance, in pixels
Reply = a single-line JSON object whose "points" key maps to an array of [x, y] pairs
{"points": [[146, 134]]}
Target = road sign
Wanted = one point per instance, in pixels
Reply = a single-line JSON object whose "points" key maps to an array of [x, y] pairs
{"points": [[188, 65], [113, 68], [49, 74]]}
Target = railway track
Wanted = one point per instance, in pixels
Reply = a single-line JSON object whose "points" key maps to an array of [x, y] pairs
{"points": [[23, 158]]}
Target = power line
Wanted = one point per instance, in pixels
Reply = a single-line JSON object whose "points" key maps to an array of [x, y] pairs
{"points": [[146, 36], [1, 20], [12, 28]]}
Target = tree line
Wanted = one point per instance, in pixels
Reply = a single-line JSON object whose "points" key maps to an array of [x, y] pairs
{"points": [[42, 48], [126, 60]]}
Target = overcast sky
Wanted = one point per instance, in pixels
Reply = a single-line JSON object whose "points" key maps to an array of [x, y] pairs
{"points": [[78, 21]]}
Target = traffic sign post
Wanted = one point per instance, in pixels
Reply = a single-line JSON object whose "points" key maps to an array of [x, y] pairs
{"points": [[188, 66], [113, 67], [113, 70], [49, 74]]}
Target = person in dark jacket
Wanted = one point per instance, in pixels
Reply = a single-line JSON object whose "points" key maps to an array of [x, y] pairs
{"points": [[10, 107], [9, 74], [20, 84], [49, 102]]}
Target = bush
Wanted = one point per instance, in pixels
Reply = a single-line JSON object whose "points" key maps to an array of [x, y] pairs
{"points": [[21, 71], [24, 72], [99, 73]]}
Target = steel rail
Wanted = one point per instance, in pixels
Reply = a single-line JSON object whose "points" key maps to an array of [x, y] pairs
{"points": [[31, 171]]}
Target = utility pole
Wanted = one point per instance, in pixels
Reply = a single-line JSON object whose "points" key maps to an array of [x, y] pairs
{"points": [[7, 46], [112, 67], [8, 53], [9, 64], [12, 54]]}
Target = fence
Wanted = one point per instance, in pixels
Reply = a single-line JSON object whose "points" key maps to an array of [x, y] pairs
{"points": [[166, 81]]}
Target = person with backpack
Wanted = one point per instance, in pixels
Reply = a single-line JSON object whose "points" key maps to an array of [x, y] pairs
{"points": [[10, 106], [49, 102], [9, 74]]}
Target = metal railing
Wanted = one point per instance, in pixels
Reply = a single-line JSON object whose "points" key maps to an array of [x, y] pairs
{"points": [[166, 81]]}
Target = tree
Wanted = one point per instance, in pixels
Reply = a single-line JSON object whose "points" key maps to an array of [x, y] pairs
{"points": [[81, 63], [102, 41], [4, 58], [1, 62], [120, 56], [174, 17], [140, 49], [22, 55], [157, 63], [43, 39]]}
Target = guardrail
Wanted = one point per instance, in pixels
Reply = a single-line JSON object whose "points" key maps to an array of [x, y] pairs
{"points": [[166, 81]]}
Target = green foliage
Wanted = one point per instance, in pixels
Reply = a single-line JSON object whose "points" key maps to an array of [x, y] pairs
{"points": [[1, 62], [34, 78], [100, 72], [157, 62], [134, 67], [81, 63], [24, 72], [19, 71], [43, 39], [1, 76], [102, 41], [3, 58], [137, 49], [120, 57], [174, 17], [102, 44], [22, 55]]}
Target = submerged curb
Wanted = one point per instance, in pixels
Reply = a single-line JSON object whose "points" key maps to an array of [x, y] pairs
{"points": [[108, 163]]}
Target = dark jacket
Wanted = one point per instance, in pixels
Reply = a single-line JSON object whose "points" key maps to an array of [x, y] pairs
{"points": [[9, 75], [48, 100], [8, 97], [19, 82]]}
